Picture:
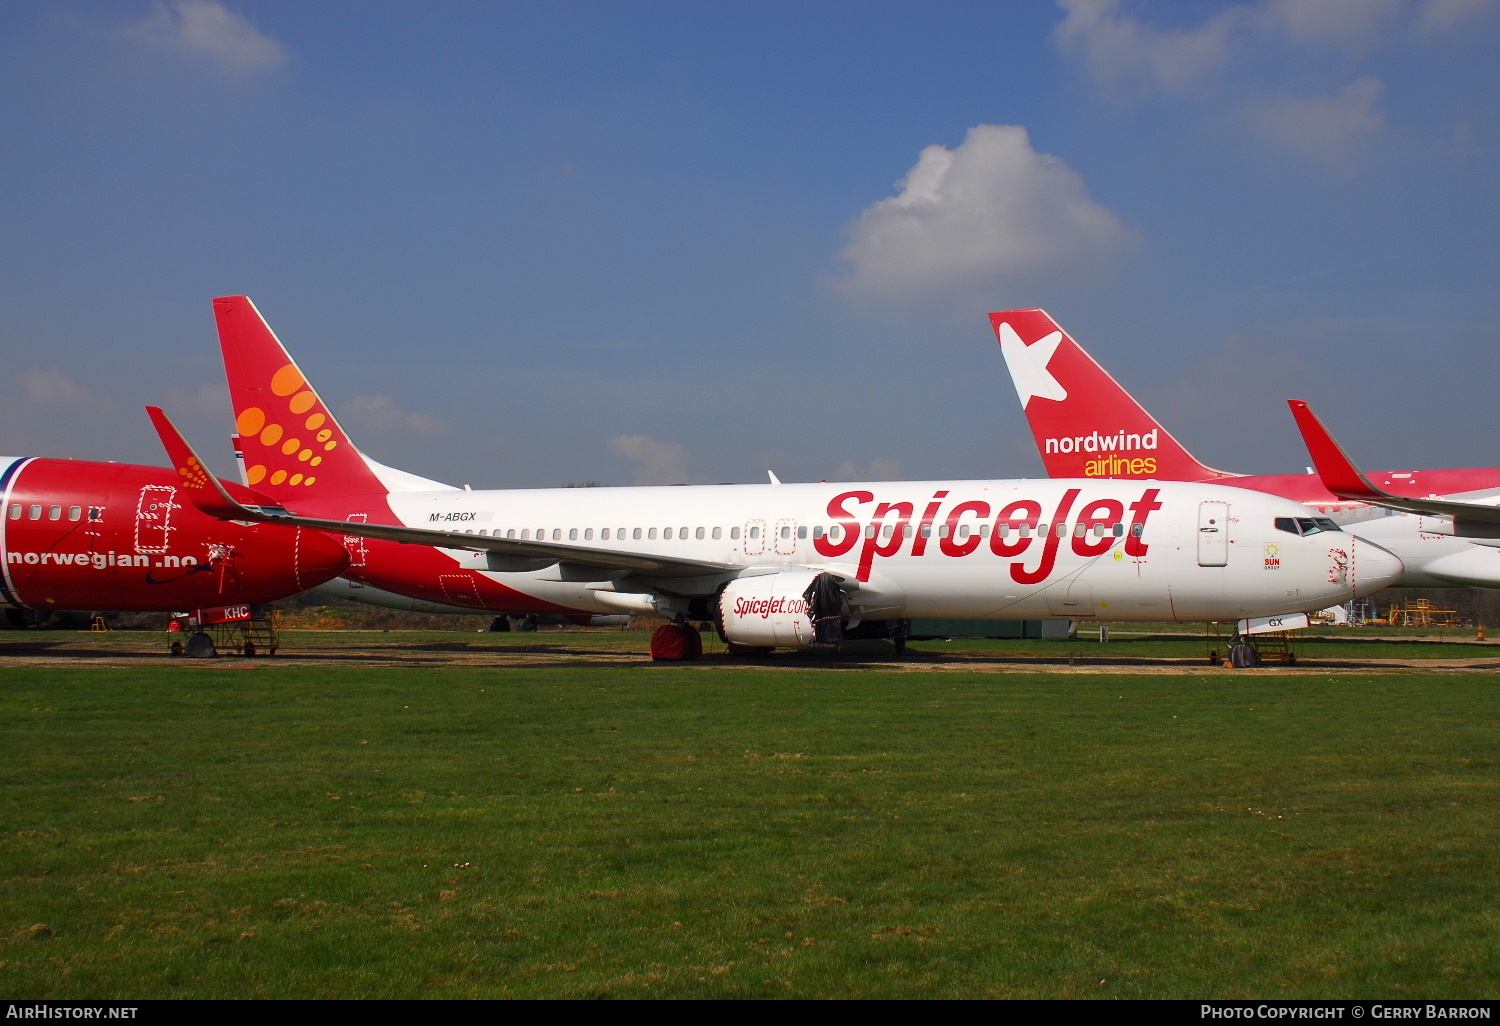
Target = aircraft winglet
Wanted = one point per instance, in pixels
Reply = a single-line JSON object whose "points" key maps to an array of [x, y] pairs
{"points": [[1341, 477], [203, 488]]}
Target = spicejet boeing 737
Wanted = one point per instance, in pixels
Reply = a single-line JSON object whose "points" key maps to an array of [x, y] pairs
{"points": [[1086, 425], [78, 535], [776, 564]]}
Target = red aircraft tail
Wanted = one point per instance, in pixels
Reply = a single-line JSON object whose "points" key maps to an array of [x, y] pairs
{"points": [[1085, 424], [292, 445]]}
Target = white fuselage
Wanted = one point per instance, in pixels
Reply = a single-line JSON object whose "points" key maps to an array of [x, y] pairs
{"points": [[1002, 549]]}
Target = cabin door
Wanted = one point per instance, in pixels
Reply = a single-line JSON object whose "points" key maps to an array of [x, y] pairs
{"points": [[1213, 534]]}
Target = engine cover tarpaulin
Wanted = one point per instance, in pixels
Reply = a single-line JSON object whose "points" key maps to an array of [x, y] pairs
{"points": [[673, 642], [825, 608]]}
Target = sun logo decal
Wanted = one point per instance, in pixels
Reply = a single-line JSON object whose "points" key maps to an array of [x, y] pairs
{"points": [[193, 475], [294, 443]]}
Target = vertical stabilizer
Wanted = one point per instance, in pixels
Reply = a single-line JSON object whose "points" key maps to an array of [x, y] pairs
{"points": [[292, 445], [1085, 424]]}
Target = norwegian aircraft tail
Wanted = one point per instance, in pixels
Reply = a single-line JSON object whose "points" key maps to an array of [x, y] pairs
{"points": [[1085, 424], [292, 445]]}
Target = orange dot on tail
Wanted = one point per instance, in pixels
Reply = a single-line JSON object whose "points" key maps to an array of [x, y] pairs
{"points": [[303, 401], [287, 380], [315, 421], [305, 455], [309, 481], [291, 446], [278, 477], [331, 446], [315, 461], [271, 435], [251, 421], [255, 474], [296, 479]]}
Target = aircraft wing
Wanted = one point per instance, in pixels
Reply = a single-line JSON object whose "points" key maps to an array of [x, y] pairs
{"points": [[1341, 477], [208, 494]]}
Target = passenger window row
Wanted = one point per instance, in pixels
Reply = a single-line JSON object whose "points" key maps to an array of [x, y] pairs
{"points": [[835, 533], [18, 510]]}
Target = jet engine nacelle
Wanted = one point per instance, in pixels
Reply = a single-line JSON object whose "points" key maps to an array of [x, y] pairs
{"points": [[768, 610]]}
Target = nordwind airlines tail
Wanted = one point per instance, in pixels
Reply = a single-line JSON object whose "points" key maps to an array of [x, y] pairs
{"points": [[1084, 422], [293, 447]]}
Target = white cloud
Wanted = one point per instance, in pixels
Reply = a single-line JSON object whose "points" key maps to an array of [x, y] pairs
{"points": [[878, 469], [661, 463], [379, 414], [46, 413], [1327, 127], [1349, 20], [1122, 51], [209, 29], [207, 399], [50, 389], [991, 209], [1126, 54], [1444, 14]]}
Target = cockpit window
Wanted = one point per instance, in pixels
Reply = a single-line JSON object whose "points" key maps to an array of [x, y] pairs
{"points": [[1305, 525]]}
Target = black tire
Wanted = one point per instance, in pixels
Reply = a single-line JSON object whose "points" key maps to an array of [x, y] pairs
{"points": [[200, 646], [500, 625], [249, 650], [526, 624]]}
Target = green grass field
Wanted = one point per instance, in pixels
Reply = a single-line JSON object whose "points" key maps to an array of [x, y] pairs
{"points": [[207, 830]]}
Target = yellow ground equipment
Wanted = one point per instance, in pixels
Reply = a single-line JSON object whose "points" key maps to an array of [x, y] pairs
{"points": [[1420, 613]]}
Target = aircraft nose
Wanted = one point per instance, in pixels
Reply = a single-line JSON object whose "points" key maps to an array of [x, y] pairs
{"points": [[1374, 568], [320, 557]]}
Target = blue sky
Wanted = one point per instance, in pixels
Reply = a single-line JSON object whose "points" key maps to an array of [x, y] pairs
{"points": [[523, 244]]}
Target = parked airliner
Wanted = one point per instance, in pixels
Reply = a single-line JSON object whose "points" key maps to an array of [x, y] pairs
{"points": [[769, 562], [1086, 425], [79, 535]]}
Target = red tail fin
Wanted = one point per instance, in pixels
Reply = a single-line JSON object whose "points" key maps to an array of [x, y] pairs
{"points": [[293, 446], [1084, 423]]}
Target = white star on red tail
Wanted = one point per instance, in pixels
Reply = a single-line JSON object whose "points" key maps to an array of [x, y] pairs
{"points": [[1028, 365]]}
